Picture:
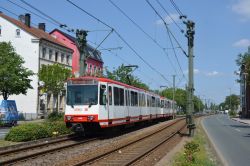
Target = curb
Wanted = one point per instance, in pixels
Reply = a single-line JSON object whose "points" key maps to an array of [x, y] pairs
{"points": [[240, 121], [221, 160]]}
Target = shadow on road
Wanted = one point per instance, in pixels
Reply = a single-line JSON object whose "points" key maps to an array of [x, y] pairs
{"points": [[240, 126]]}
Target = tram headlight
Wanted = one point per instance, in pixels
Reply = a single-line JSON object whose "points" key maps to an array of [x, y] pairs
{"points": [[68, 118], [90, 118]]}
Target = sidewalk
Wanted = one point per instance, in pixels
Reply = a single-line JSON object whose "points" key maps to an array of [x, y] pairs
{"points": [[245, 121]]}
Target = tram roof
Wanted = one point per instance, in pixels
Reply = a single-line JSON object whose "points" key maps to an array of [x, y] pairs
{"points": [[103, 79]]}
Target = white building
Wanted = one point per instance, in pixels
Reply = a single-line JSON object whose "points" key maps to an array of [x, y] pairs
{"points": [[37, 48]]}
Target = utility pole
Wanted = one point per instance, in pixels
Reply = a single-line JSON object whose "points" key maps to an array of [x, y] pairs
{"points": [[174, 90], [230, 99], [82, 44], [190, 103]]}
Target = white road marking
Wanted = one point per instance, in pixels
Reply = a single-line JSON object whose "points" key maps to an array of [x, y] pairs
{"points": [[237, 130]]}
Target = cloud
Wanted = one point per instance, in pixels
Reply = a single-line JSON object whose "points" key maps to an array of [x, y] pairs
{"points": [[213, 73], [242, 7], [205, 73], [168, 19], [242, 43]]}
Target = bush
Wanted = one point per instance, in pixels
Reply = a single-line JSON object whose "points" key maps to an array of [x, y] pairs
{"points": [[34, 131], [55, 116], [190, 149], [232, 113]]}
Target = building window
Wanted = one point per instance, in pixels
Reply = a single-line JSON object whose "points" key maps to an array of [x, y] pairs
{"points": [[50, 54], [67, 59], [44, 52], [62, 57], [90, 68], [17, 32], [56, 56]]}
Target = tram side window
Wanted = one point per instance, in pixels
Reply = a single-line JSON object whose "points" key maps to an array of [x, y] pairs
{"points": [[153, 101], [148, 100], [127, 97], [134, 98], [116, 96], [121, 96], [110, 95], [103, 95]]}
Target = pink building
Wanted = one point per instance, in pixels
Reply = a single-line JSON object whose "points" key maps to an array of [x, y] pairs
{"points": [[94, 62]]}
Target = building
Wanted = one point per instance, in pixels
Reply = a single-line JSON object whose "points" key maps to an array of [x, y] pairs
{"points": [[93, 63], [244, 91], [37, 48]]}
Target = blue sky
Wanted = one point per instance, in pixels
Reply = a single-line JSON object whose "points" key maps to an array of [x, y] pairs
{"points": [[222, 32]]}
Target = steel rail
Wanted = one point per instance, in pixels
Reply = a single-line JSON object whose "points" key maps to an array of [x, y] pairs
{"points": [[21, 158], [91, 160], [14, 150]]}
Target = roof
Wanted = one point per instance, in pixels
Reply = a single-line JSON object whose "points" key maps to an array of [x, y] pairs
{"points": [[103, 79], [93, 53], [33, 31]]}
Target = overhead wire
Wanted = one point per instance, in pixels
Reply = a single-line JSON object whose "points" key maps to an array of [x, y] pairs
{"points": [[141, 29], [128, 63], [119, 35], [177, 42], [168, 32], [169, 15], [176, 8], [57, 22], [31, 12]]}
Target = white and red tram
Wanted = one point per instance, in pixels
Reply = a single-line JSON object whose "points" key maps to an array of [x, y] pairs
{"points": [[102, 102]]}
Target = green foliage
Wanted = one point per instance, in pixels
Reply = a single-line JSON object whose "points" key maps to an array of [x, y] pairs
{"points": [[123, 74], [181, 98], [232, 100], [232, 113], [190, 149], [55, 116], [34, 131], [243, 63], [54, 77], [14, 77], [196, 152]]}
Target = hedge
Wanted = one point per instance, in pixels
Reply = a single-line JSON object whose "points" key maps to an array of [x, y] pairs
{"points": [[34, 131]]}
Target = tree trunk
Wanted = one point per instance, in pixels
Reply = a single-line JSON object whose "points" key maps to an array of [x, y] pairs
{"points": [[5, 95]]}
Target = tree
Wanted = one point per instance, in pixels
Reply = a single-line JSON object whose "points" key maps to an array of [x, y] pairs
{"points": [[243, 63], [53, 77], [13, 75], [123, 74], [232, 102], [181, 98]]}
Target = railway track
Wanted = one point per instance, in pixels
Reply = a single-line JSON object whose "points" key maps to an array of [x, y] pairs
{"points": [[24, 153], [133, 151]]}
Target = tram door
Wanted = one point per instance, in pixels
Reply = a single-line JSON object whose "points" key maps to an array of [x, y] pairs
{"points": [[110, 103], [104, 101]]}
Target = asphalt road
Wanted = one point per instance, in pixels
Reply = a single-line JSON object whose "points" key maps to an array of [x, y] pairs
{"points": [[3, 132], [231, 139]]}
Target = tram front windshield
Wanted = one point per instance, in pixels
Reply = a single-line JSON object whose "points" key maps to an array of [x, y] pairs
{"points": [[82, 95]]}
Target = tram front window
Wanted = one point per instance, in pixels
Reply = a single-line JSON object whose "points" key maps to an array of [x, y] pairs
{"points": [[82, 95]]}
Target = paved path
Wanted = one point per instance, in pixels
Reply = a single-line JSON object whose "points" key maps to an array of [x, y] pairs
{"points": [[3, 132], [231, 139]]}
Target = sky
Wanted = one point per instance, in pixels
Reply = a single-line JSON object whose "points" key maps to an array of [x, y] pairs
{"points": [[221, 33]]}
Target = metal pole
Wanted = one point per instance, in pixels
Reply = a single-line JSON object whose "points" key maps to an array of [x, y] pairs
{"points": [[81, 44], [190, 103], [230, 99]]}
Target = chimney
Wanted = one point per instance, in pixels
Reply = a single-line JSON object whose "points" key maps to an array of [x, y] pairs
{"points": [[27, 19], [41, 26], [21, 18]]}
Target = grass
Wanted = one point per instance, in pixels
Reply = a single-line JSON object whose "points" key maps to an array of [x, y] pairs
{"points": [[6, 143], [203, 156]]}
